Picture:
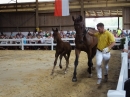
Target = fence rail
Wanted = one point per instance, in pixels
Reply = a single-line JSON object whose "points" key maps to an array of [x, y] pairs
{"points": [[123, 76], [20, 42]]}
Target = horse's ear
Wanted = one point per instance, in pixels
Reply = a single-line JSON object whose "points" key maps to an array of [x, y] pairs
{"points": [[73, 18], [56, 29], [81, 18]]}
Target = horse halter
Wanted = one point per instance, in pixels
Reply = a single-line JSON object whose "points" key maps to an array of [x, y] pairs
{"points": [[80, 24], [83, 30]]}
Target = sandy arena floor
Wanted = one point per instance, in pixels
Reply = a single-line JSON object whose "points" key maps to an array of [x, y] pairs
{"points": [[27, 74]]}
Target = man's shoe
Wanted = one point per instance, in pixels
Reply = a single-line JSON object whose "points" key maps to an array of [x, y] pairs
{"points": [[105, 78], [99, 81]]}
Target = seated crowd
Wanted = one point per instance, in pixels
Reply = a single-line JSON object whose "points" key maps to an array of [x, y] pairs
{"points": [[43, 37], [35, 38], [120, 33]]}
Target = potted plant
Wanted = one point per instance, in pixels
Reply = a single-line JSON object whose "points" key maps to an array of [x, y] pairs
{"points": [[122, 43]]}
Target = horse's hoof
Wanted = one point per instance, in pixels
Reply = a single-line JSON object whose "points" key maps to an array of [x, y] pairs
{"points": [[60, 66], [74, 80], [90, 75]]}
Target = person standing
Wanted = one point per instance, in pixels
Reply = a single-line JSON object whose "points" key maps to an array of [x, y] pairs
{"points": [[106, 41], [119, 32]]}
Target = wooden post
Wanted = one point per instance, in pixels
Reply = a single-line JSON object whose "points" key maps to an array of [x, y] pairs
{"points": [[126, 16], [16, 5], [37, 16], [118, 22], [82, 8]]}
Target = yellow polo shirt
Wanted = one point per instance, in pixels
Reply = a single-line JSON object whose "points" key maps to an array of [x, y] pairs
{"points": [[104, 39], [118, 32]]}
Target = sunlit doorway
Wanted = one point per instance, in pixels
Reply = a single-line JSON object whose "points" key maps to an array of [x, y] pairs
{"points": [[110, 23]]}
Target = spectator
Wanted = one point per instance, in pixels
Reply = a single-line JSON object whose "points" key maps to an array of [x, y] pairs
{"points": [[3, 42], [47, 34], [118, 32], [18, 34], [126, 34], [34, 34], [24, 40], [48, 42], [68, 33], [61, 33], [115, 33], [65, 37], [29, 33], [73, 32]]}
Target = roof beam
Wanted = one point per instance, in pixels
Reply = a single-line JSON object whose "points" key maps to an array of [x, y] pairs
{"points": [[102, 12], [94, 13], [117, 12], [110, 12], [87, 13]]}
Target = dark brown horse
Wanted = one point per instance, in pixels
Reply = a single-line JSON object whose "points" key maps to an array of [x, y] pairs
{"points": [[83, 42], [62, 49]]}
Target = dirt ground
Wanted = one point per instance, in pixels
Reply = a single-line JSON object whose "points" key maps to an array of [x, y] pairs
{"points": [[27, 74]]}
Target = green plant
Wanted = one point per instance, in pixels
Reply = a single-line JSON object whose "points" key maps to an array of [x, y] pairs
{"points": [[122, 43]]}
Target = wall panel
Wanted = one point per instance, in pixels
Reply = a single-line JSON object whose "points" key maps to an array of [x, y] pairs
{"points": [[49, 21], [126, 18], [16, 21], [23, 21]]}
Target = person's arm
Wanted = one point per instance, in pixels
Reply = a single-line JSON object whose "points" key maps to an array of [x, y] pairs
{"points": [[111, 45], [112, 40]]}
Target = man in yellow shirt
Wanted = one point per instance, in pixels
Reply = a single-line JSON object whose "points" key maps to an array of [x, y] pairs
{"points": [[106, 41], [118, 32]]}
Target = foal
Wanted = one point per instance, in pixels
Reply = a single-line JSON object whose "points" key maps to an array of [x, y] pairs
{"points": [[62, 49]]}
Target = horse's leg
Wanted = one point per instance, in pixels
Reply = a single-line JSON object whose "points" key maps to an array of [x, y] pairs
{"points": [[55, 62], [77, 52], [61, 55], [90, 62], [67, 61], [90, 66], [94, 49]]}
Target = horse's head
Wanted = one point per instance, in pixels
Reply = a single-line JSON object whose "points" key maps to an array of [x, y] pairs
{"points": [[79, 27], [56, 35]]}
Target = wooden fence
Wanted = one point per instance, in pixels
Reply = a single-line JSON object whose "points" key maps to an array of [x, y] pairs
{"points": [[8, 42]]}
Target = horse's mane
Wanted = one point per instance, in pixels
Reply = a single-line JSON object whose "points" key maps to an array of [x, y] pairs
{"points": [[90, 28]]}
